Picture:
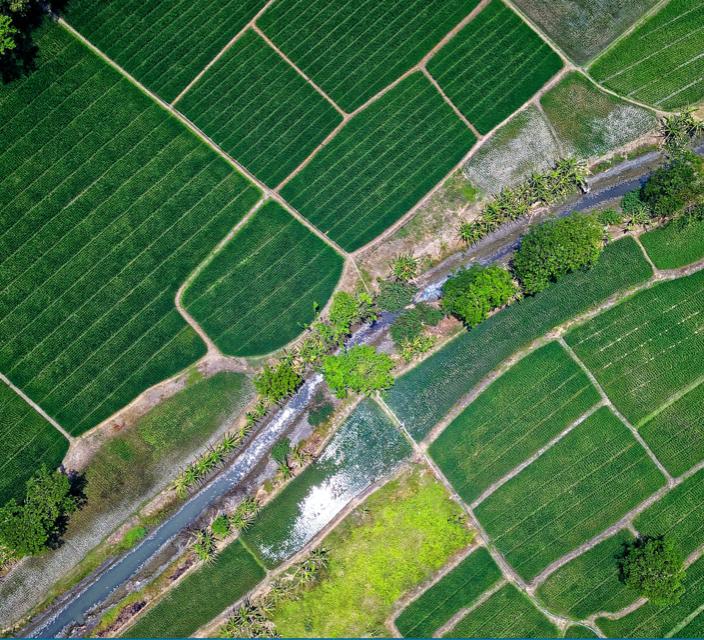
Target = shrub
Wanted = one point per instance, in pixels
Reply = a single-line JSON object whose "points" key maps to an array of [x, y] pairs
{"points": [[277, 382], [394, 296], [409, 325], [220, 526], [609, 217], [654, 567], [555, 248], [132, 537], [280, 451], [416, 346], [404, 267], [473, 293], [360, 369], [676, 187], [347, 309]]}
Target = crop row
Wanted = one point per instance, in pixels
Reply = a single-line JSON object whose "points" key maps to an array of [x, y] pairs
{"points": [[162, 44], [457, 589], [27, 441], [515, 416], [647, 348], [380, 164], [660, 62], [98, 241], [355, 49], [587, 481], [508, 613], [259, 110], [672, 246], [425, 394], [494, 65], [365, 448], [257, 293]]}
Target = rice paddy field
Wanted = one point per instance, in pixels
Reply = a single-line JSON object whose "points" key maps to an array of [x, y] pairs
{"points": [[201, 595], [380, 164], [512, 419], [366, 448], [353, 50], [255, 106], [162, 44], [661, 62], [590, 583], [590, 122], [586, 482], [104, 215], [257, 294], [27, 441], [648, 348], [674, 246], [427, 392], [494, 65], [584, 28], [457, 589], [508, 613]]}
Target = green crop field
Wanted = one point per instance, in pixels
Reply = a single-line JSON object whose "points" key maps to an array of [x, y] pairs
{"points": [[652, 621], [676, 434], [457, 589], [590, 583], [201, 595], [583, 484], [508, 613], [105, 211], [27, 441], [674, 246], [519, 413], [426, 393], [679, 514], [355, 49], [590, 122], [579, 631], [662, 61], [162, 44], [255, 106], [259, 291], [380, 164], [583, 28], [494, 65], [648, 348], [364, 449]]}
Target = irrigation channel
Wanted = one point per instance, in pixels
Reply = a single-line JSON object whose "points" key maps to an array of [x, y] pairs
{"points": [[70, 611]]}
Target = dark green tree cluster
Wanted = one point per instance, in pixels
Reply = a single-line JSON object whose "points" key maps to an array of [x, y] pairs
{"points": [[38, 522], [557, 247], [676, 189], [653, 566], [361, 369], [473, 293], [278, 381]]}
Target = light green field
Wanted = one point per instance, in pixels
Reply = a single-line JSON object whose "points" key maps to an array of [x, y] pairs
{"points": [[675, 246]]}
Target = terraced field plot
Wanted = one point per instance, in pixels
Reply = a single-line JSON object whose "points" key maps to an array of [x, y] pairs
{"points": [[678, 514], [586, 482], [365, 448], [162, 44], [457, 589], [427, 392], [259, 291], [508, 613], [583, 28], [352, 50], [201, 595], [675, 246], [380, 164], [647, 348], [259, 110], [676, 434], [652, 621], [105, 212], [494, 65], [27, 441], [519, 413], [590, 122], [662, 62], [590, 583]]}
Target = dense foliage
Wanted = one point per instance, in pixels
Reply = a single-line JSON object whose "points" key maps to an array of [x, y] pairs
{"points": [[35, 524], [395, 295], [654, 567], [404, 267], [677, 188], [360, 369], [409, 325], [473, 293], [346, 309], [277, 381], [555, 248]]}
